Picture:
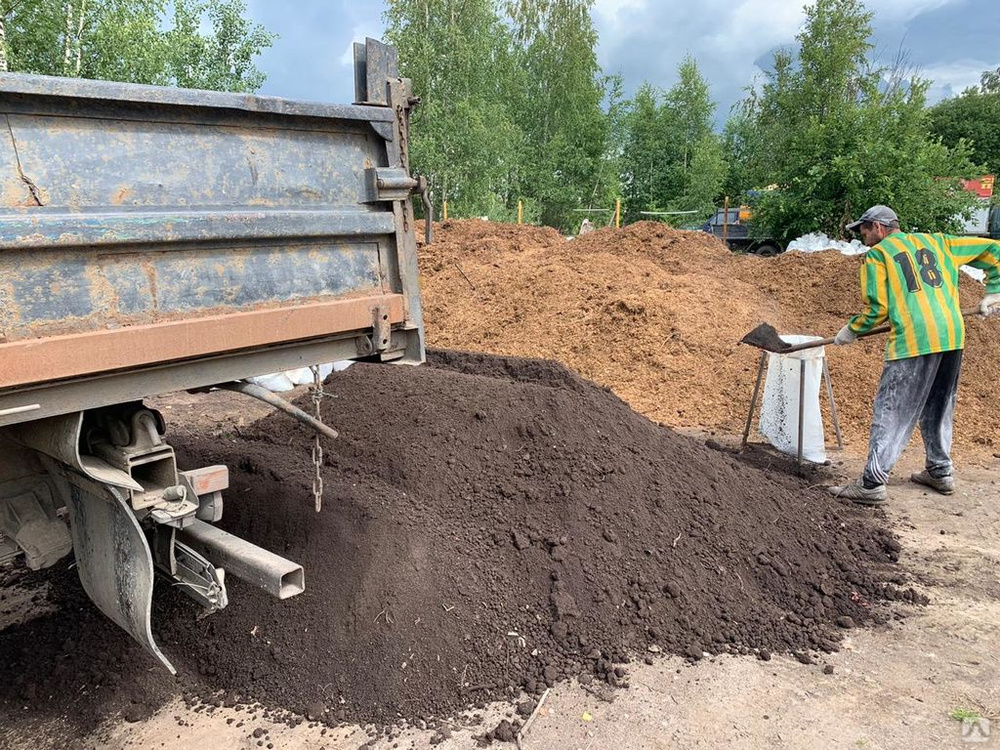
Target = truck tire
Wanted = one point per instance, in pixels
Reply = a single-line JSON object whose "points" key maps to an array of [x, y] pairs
{"points": [[767, 249]]}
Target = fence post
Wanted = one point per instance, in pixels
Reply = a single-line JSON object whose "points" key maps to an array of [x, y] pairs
{"points": [[725, 219]]}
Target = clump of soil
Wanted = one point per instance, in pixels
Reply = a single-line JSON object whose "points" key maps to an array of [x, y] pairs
{"points": [[490, 524], [656, 315]]}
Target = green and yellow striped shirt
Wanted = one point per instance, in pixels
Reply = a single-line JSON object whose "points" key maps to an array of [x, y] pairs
{"points": [[912, 280]]}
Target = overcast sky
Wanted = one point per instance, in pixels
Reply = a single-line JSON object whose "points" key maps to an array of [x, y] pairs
{"points": [[949, 41]]}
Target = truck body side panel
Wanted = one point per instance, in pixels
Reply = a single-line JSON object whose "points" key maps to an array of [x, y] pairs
{"points": [[149, 227]]}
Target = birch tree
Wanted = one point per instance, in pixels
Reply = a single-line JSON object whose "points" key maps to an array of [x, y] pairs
{"points": [[190, 43]]}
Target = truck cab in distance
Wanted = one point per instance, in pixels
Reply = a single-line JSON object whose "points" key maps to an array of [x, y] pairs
{"points": [[734, 227]]}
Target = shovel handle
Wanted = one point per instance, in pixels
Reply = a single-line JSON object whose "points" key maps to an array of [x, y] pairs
{"points": [[966, 312]]}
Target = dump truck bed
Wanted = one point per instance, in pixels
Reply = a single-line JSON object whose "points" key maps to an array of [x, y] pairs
{"points": [[156, 239]]}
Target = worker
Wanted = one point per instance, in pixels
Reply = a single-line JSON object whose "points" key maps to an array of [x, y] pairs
{"points": [[912, 280]]}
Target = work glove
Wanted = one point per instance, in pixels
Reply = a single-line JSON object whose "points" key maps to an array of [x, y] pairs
{"points": [[990, 301], [845, 336]]}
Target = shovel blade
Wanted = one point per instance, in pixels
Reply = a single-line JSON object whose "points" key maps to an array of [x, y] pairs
{"points": [[765, 337]]}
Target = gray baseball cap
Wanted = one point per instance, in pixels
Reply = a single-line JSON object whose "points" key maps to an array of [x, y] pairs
{"points": [[876, 215]]}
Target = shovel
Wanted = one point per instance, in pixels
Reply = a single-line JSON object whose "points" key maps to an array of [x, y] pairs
{"points": [[765, 337]]}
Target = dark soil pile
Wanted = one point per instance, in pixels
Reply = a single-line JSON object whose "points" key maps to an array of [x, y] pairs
{"points": [[489, 524], [67, 671], [656, 315]]}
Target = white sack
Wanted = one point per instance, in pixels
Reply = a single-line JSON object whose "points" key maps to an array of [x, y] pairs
{"points": [[779, 411]]}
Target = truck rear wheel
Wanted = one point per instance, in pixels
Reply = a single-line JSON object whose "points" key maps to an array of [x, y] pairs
{"points": [[767, 249]]}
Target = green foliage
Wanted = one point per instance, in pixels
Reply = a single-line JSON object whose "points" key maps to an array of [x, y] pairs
{"points": [[743, 147], [512, 105], [706, 176], [672, 159], [699, 167], [464, 138], [130, 40], [645, 162], [69, 38], [515, 107], [961, 714], [989, 81], [836, 135], [973, 117], [221, 60], [615, 134], [688, 110], [560, 110]]}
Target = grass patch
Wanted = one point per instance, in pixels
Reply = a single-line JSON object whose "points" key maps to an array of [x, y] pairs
{"points": [[961, 714]]}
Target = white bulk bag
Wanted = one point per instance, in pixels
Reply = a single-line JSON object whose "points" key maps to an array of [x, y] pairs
{"points": [[779, 411]]}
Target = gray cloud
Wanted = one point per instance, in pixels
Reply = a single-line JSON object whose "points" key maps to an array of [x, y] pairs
{"points": [[309, 60]]}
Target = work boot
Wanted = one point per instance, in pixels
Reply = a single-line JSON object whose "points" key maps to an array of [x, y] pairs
{"points": [[945, 485], [858, 493]]}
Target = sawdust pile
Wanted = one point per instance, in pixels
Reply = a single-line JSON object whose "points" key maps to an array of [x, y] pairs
{"points": [[655, 314]]}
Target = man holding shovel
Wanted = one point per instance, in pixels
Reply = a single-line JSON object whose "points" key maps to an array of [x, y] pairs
{"points": [[911, 280]]}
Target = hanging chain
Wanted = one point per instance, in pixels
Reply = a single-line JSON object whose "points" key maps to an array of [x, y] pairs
{"points": [[404, 156], [317, 453]]}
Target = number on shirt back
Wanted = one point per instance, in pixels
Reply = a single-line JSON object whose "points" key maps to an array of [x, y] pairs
{"points": [[929, 271]]}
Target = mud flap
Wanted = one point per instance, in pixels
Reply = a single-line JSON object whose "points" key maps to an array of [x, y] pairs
{"points": [[112, 557]]}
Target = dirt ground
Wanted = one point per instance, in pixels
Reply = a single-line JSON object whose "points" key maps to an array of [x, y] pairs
{"points": [[896, 686]]}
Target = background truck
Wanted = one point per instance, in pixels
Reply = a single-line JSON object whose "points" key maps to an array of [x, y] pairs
{"points": [[733, 226], [156, 240], [985, 220]]}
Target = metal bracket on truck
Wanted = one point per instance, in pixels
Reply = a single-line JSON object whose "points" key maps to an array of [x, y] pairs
{"points": [[156, 240]]}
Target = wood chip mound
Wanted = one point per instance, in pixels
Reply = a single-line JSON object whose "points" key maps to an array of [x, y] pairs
{"points": [[656, 315]]}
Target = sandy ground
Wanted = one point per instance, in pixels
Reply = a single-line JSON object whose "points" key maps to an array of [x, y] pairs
{"points": [[899, 686]]}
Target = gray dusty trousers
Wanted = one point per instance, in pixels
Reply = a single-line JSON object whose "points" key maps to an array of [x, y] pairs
{"points": [[918, 389]]}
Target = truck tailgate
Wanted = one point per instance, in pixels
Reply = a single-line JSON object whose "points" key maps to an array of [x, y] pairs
{"points": [[156, 239]]}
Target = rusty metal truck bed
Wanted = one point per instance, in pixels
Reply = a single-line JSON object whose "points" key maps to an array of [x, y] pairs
{"points": [[158, 239]]}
